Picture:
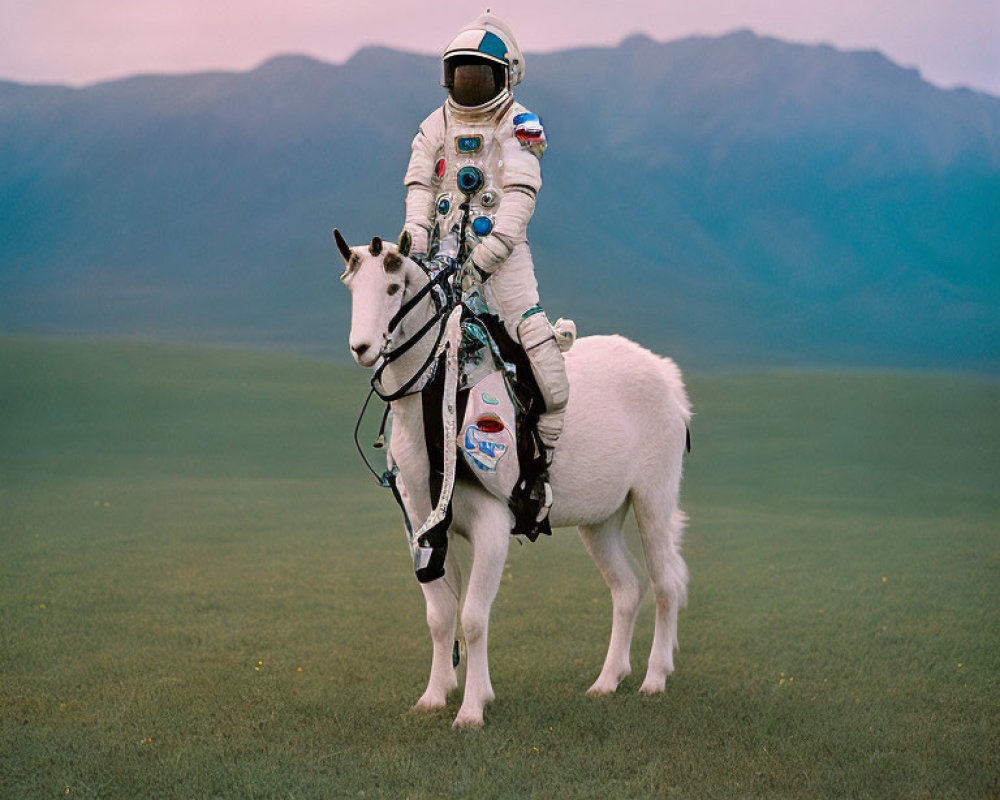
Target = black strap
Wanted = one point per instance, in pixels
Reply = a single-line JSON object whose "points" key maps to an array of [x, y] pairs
{"points": [[387, 480], [357, 444], [409, 305], [389, 356], [438, 282], [431, 400], [390, 481], [443, 306], [430, 406], [405, 388]]}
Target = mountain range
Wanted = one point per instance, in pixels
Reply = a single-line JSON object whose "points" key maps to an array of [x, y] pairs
{"points": [[734, 201]]}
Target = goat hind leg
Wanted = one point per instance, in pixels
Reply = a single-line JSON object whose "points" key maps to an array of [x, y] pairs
{"points": [[606, 545], [661, 526]]}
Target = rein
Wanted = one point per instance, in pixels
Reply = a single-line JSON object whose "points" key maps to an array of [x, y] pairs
{"points": [[428, 544], [425, 544], [441, 292]]}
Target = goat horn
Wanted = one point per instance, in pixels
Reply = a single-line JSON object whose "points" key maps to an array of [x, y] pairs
{"points": [[376, 246], [342, 246]]}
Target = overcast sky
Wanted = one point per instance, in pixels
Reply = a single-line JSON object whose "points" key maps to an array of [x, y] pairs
{"points": [[952, 42]]}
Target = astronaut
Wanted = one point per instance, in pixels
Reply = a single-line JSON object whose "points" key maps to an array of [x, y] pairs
{"points": [[484, 148]]}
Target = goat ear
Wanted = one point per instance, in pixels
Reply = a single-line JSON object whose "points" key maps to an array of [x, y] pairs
{"points": [[376, 246], [405, 243], [342, 246]]}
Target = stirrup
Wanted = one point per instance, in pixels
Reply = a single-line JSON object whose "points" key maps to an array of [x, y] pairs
{"points": [[530, 505], [546, 502]]}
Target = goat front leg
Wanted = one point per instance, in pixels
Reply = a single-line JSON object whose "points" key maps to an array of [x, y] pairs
{"points": [[489, 553], [441, 597]]}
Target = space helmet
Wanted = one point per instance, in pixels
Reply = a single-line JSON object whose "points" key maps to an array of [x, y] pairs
{"points": [[482, 61]]}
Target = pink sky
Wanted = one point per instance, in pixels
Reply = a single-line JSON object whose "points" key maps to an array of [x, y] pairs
{"points": [[952, 42]]}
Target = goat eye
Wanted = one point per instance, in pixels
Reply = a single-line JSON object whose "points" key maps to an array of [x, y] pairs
{"points": [[393, 288]]}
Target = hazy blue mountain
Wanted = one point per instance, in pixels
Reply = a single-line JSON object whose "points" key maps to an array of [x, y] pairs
{"points": [[731, 200]]}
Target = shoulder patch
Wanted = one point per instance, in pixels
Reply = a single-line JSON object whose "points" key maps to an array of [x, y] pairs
{"points": [[530, 133]]}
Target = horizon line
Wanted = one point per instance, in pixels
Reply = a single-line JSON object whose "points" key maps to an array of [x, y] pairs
{"points": [[259, 63]]}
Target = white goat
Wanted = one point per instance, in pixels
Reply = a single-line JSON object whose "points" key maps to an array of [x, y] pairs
{"points": [[624, 437]]}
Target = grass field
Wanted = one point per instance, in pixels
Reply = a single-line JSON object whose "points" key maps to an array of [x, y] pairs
{"points": [[204, 596]]}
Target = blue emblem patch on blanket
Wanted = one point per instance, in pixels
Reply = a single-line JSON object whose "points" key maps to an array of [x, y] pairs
{"points": [[483, 448]]}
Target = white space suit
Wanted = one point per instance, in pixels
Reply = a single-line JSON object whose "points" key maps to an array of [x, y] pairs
{"points": [[489, 153]]}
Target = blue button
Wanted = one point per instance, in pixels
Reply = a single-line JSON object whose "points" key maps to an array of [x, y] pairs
{"points": [[444, 206], [481, 226], [470, 180]]}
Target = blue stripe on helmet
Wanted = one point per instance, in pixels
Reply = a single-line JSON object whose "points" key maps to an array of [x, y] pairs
{"points": [[492, 45]]}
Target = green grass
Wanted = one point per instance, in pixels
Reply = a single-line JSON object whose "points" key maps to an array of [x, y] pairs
{"points": [[204, 596]]}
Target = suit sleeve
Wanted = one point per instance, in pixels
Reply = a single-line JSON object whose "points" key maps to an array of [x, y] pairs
{"points": [[522, 181], [425, 151]]}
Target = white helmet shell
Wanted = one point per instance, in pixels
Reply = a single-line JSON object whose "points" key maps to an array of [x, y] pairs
{"points": [[490, 38]]}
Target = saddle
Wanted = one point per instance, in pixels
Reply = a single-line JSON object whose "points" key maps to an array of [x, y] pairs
{"points": [[498, 403]]}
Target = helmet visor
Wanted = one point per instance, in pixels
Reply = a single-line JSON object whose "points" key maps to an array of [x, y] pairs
{"points": [[472, 82]]}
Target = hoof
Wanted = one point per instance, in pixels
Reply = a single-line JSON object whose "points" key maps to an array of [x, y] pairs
{"points": [[468, 721], [600, 689], [656, 679], [426, 703], [605, 685]]}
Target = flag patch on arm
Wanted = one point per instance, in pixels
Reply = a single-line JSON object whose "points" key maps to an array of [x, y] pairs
{"points": [[529, 131]]}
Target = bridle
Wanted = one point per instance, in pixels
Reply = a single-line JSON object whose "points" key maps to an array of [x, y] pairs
{"points": [[442, 271], [442, 291]]}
